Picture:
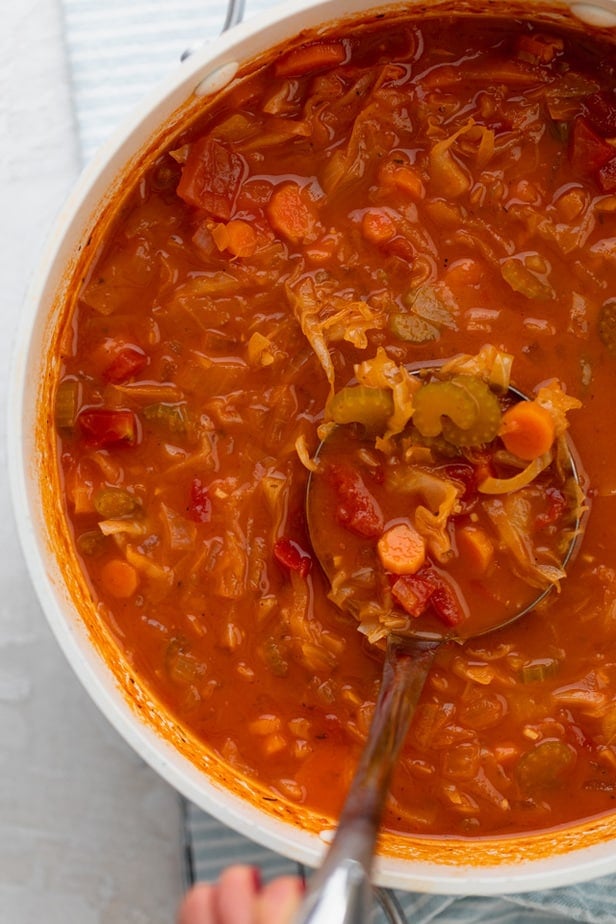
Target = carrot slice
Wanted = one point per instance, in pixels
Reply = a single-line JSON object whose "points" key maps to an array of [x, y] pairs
{"points": [[377, 227], [119, 578], [311, 58], [397, 173], [476, 549], [401, 549], [290, 214], [527, 430]]}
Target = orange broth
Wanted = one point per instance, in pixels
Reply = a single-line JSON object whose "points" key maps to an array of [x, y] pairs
{"points": [[426, 187]]}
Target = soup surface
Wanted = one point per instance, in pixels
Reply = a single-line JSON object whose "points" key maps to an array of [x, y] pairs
{"points": [[422, 188]]}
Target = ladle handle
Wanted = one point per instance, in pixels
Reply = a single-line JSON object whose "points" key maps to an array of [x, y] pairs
{"points": [[340, 891]]}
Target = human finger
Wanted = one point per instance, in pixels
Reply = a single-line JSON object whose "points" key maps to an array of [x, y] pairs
{"points": [[235, 895], [198, 905], [279, 900]]}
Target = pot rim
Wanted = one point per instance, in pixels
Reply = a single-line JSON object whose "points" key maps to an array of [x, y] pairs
{"points": [[208, 68]]}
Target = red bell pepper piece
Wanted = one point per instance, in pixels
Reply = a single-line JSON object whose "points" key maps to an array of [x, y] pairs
{"points": [[102, 427], [292, 556], [199, 506], [125, 364]]}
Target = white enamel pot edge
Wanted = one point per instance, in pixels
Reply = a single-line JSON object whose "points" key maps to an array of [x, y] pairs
{"points": [[208, 68]]}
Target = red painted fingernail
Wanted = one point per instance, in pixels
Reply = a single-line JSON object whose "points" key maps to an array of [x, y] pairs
{"points": [[256, 878]]}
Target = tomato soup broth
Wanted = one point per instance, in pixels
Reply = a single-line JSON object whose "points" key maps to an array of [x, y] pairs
{"points": [[424, 187]]}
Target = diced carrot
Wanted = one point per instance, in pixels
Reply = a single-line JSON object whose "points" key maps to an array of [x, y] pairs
{"points": [[290, 214], [398, 173], [466, 272], [402, 550], [119, 578], [527, 430], [476, 549], [237, 236], [310, 58], [377, 227]]}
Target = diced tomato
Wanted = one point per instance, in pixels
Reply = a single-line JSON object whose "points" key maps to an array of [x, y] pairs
{"points": [[211, 177], [600, 109], [292, 556], [357, 510], [199, 504], [607, 176], [291, 212], [428, 589], [445, 603], [126, 363], [413, 592], [555, 509], [103, 427], [588, 151]]}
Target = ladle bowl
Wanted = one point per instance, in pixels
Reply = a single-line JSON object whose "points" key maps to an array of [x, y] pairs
{"points": [[340, 890]]}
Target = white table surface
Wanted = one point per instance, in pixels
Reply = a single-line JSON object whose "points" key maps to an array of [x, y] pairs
{"points": [[88, 833]]}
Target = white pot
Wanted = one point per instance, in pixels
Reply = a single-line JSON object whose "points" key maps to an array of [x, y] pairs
{"points": [[447, 866]]}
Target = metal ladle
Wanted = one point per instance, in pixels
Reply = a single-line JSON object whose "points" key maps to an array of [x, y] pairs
{"points": [[340, 891]]}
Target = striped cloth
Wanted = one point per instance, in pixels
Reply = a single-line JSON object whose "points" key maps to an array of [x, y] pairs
{"points": [[210, 847], [117, 51]]}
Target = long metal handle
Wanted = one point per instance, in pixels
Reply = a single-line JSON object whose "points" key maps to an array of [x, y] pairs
{"points": [[235, 14], [340, 891]]}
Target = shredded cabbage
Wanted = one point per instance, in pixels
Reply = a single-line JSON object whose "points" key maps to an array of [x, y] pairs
{"points": [[383, 372], [511, 517], [440, 499], [490, 364]]}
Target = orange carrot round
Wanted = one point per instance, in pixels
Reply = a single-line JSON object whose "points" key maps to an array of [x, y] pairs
{"points": [[377, 226], [290, 212], [527, 430], [119, 578], [402, 549]]}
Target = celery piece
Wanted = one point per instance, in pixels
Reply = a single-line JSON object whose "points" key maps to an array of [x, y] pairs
{"points": [[486, 425], [172, 417], [544, 765], [538, 670], [90, 543], [115, 502], [438, 400], [67, 404], [362, 404]]}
